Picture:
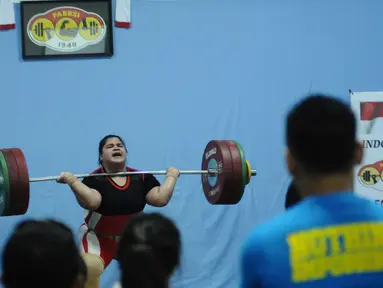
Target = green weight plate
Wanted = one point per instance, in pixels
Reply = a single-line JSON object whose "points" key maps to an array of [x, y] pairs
{"points": [[4, 186], [244, 166]]}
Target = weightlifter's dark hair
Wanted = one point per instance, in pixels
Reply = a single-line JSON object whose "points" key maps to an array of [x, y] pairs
{"points": [[321, 135], [41, 254], [149, 251], [103, 142]]}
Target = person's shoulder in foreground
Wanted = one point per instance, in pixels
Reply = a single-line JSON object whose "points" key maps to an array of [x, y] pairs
{"points": [[332, 237], [292, 248]]}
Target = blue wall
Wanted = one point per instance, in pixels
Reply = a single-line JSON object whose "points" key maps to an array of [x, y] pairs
{"points": [[185, 73]]}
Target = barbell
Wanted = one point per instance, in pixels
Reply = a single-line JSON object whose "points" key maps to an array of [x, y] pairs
{"points": [[224, 173]]}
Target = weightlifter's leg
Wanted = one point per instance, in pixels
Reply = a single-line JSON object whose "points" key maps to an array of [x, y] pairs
{"points": [[95, 266], [97, 253]]}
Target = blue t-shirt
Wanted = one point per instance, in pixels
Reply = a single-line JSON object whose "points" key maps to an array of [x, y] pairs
{"points": [[333, 240]]}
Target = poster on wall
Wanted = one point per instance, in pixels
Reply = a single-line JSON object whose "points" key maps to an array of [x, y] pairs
{"points": [[52, 29], [368, 109]]}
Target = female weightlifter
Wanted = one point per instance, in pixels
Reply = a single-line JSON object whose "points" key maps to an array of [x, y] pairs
{"points": [[110, 202], [148, 252]]}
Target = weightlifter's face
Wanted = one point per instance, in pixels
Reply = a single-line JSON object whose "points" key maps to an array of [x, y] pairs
{"points": [[113, 151]]}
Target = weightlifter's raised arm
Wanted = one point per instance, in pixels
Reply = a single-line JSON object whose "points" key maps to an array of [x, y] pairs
{"points": [[87, 197], [160, 195]]}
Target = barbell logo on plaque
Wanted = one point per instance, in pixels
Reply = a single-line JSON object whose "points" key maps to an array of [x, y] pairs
{"points": [[371, 175], [66, 29]]}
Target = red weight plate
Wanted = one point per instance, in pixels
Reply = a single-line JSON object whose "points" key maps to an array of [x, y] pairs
{"points": [[19, 196], [234, 195], [216, 156], [23, 178]]}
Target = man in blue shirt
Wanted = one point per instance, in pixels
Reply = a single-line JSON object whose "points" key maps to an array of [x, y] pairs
{"points": [[332, 237]]}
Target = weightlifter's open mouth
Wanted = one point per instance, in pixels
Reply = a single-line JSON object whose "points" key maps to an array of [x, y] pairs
{"points": [[117, 154]]}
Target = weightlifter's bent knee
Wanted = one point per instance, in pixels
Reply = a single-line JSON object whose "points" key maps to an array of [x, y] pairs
{"points": [[95, 265]]}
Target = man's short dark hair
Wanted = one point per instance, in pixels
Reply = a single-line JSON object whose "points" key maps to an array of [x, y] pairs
{"points": [[42, 254], [321, 134]]}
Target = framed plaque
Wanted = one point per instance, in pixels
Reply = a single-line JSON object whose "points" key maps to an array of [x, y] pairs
{"points": [[77, 28]]}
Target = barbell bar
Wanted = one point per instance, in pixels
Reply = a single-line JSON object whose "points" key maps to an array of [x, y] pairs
{"points": [[158, 172], [224, 173]]}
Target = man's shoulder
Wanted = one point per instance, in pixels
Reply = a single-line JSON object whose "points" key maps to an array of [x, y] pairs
{"points": [[370, 207], [299, 218], [272, 229]]}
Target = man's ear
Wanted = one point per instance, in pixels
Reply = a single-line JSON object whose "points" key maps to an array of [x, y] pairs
{"points": [[290, 161], [359, 153]]}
